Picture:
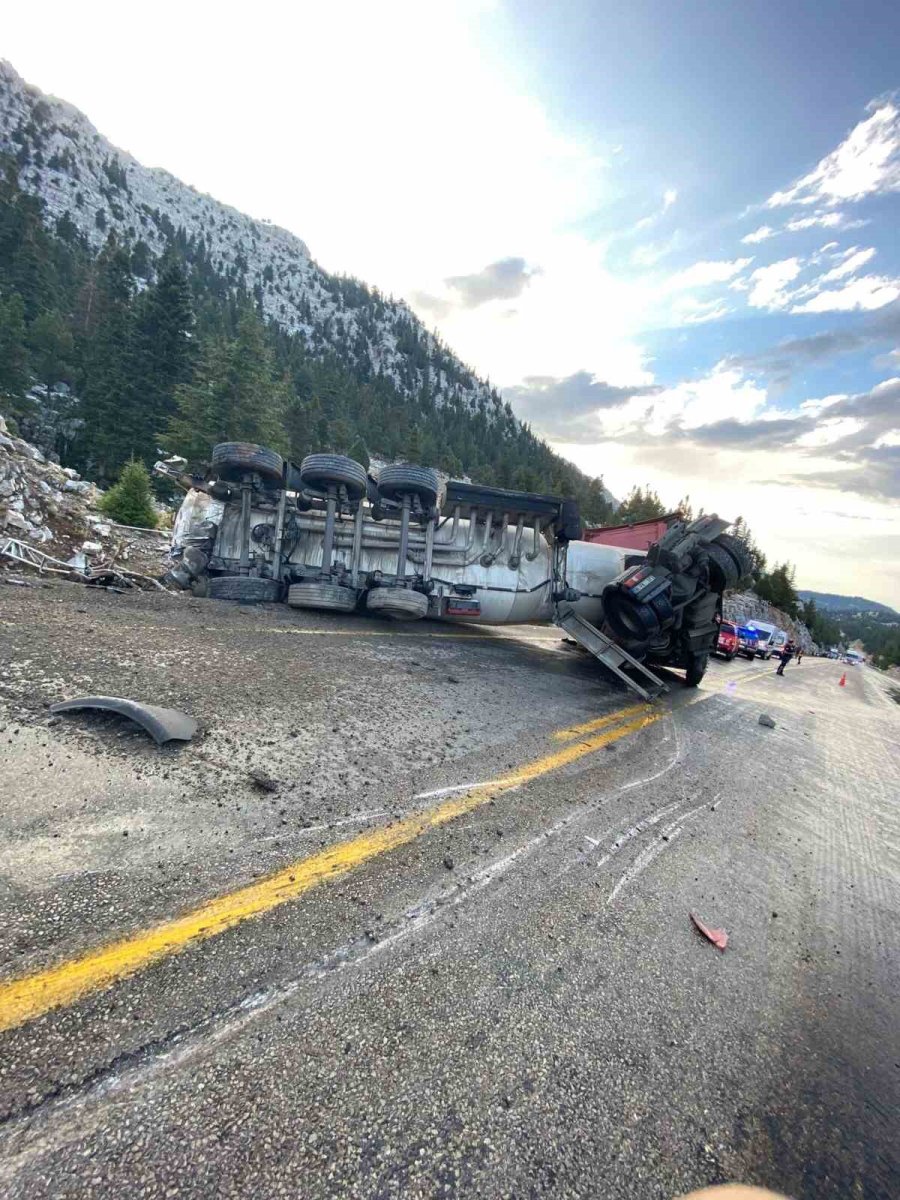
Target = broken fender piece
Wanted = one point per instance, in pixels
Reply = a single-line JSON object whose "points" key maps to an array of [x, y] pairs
{"points": [[718, 937], [163, 724]]}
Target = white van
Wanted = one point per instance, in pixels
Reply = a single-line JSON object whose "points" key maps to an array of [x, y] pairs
{"points": [[771, 638]]}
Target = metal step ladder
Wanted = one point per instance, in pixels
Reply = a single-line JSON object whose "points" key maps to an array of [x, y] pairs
{"points": [[611, 655]]}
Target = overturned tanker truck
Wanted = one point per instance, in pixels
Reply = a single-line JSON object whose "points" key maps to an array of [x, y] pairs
{"points": [[410, 544]]}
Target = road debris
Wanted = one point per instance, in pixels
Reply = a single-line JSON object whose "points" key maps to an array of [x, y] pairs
{"points": [[718, 937], [261, 780], [766, 720], [163, 724], [104, 574]]}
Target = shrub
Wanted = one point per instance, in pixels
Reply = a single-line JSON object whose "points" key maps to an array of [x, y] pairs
{"points": [[128, 501]]}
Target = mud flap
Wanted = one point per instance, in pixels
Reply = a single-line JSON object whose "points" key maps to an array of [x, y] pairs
{"points": [[163, 724]]}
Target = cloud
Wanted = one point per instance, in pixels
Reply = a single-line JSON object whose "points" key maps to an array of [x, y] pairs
{"points": [[702, 274], [828, 220], [565, 408], [763, 434], [759, 235], [853, 260], [781, 361], [436, 305], [825, 220], [696, 312], [877, 479], [769, 283], [866, 293], [670, 195], [729, 425], [881, 402], [501, 280], [866, 163]]}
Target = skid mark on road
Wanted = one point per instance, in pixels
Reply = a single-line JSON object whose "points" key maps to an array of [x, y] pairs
{"points": [[34, 995], [668, 835], [628, 835]]}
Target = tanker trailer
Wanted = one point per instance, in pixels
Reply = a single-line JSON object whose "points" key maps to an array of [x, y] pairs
{"points": [[409, 544]]}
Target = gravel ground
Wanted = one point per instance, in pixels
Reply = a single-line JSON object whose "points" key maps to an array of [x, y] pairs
{"points": [[537, 1017]]}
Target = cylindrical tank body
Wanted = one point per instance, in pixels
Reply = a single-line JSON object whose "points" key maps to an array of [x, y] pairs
{"points": [[511, 569]]}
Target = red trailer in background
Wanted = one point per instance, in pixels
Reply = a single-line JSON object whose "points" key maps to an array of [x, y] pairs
{"points": [[638, 535]]}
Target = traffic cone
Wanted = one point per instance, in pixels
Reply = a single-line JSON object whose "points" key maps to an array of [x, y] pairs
{"points": [[843, 682]]}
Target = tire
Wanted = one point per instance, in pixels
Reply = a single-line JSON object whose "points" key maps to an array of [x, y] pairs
{"points": [[410, 480], [723, 570], [738, 552], [630, 620], [329, 596], [318, 471], [231, 460], [248, 589], [397, 602], [636, 647], [696, 668]]}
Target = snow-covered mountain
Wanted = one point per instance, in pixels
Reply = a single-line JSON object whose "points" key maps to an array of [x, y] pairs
{"points": [[82, 178]]}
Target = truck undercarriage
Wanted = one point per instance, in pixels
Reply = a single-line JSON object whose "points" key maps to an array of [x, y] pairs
{"points": [[410, 544]]}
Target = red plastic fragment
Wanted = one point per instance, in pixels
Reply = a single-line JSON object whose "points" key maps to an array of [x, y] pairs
{"points": [[718, 937]]}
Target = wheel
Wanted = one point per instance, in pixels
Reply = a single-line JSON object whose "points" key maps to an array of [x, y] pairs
{"points": [[249, 589], [729, 658], [231, 460], [629, 619], [397, 602], [723, 570], [407, 479], [329, 596], [696, 669], [738, 551], [317, 471], [636, 647]]}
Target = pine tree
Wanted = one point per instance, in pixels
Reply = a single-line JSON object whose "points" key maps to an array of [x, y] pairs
{"points": [[128, 502], [110, 409], [686, 509], [777, 587], [236, 395], [412, 451], [162, 353], [52, 349], [13, 357], [641, 504]]}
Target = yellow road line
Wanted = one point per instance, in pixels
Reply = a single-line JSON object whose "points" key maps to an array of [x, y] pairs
{"points": [[33, 995], [565, 735]]}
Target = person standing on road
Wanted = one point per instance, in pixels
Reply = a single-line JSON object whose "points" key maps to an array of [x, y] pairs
{"points": [[799, 654], [787, 654]]}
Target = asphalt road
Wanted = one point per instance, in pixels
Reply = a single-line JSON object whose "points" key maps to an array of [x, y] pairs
{"points": [[450, 954]]}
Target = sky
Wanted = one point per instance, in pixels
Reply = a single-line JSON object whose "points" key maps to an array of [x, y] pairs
{"points": [[667, 233]]}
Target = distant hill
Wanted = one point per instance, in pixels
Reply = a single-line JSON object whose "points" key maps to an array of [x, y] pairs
{"points": [[830, 602]]}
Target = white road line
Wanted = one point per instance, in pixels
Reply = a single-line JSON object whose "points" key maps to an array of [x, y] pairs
{"points": [[448, 791]]}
